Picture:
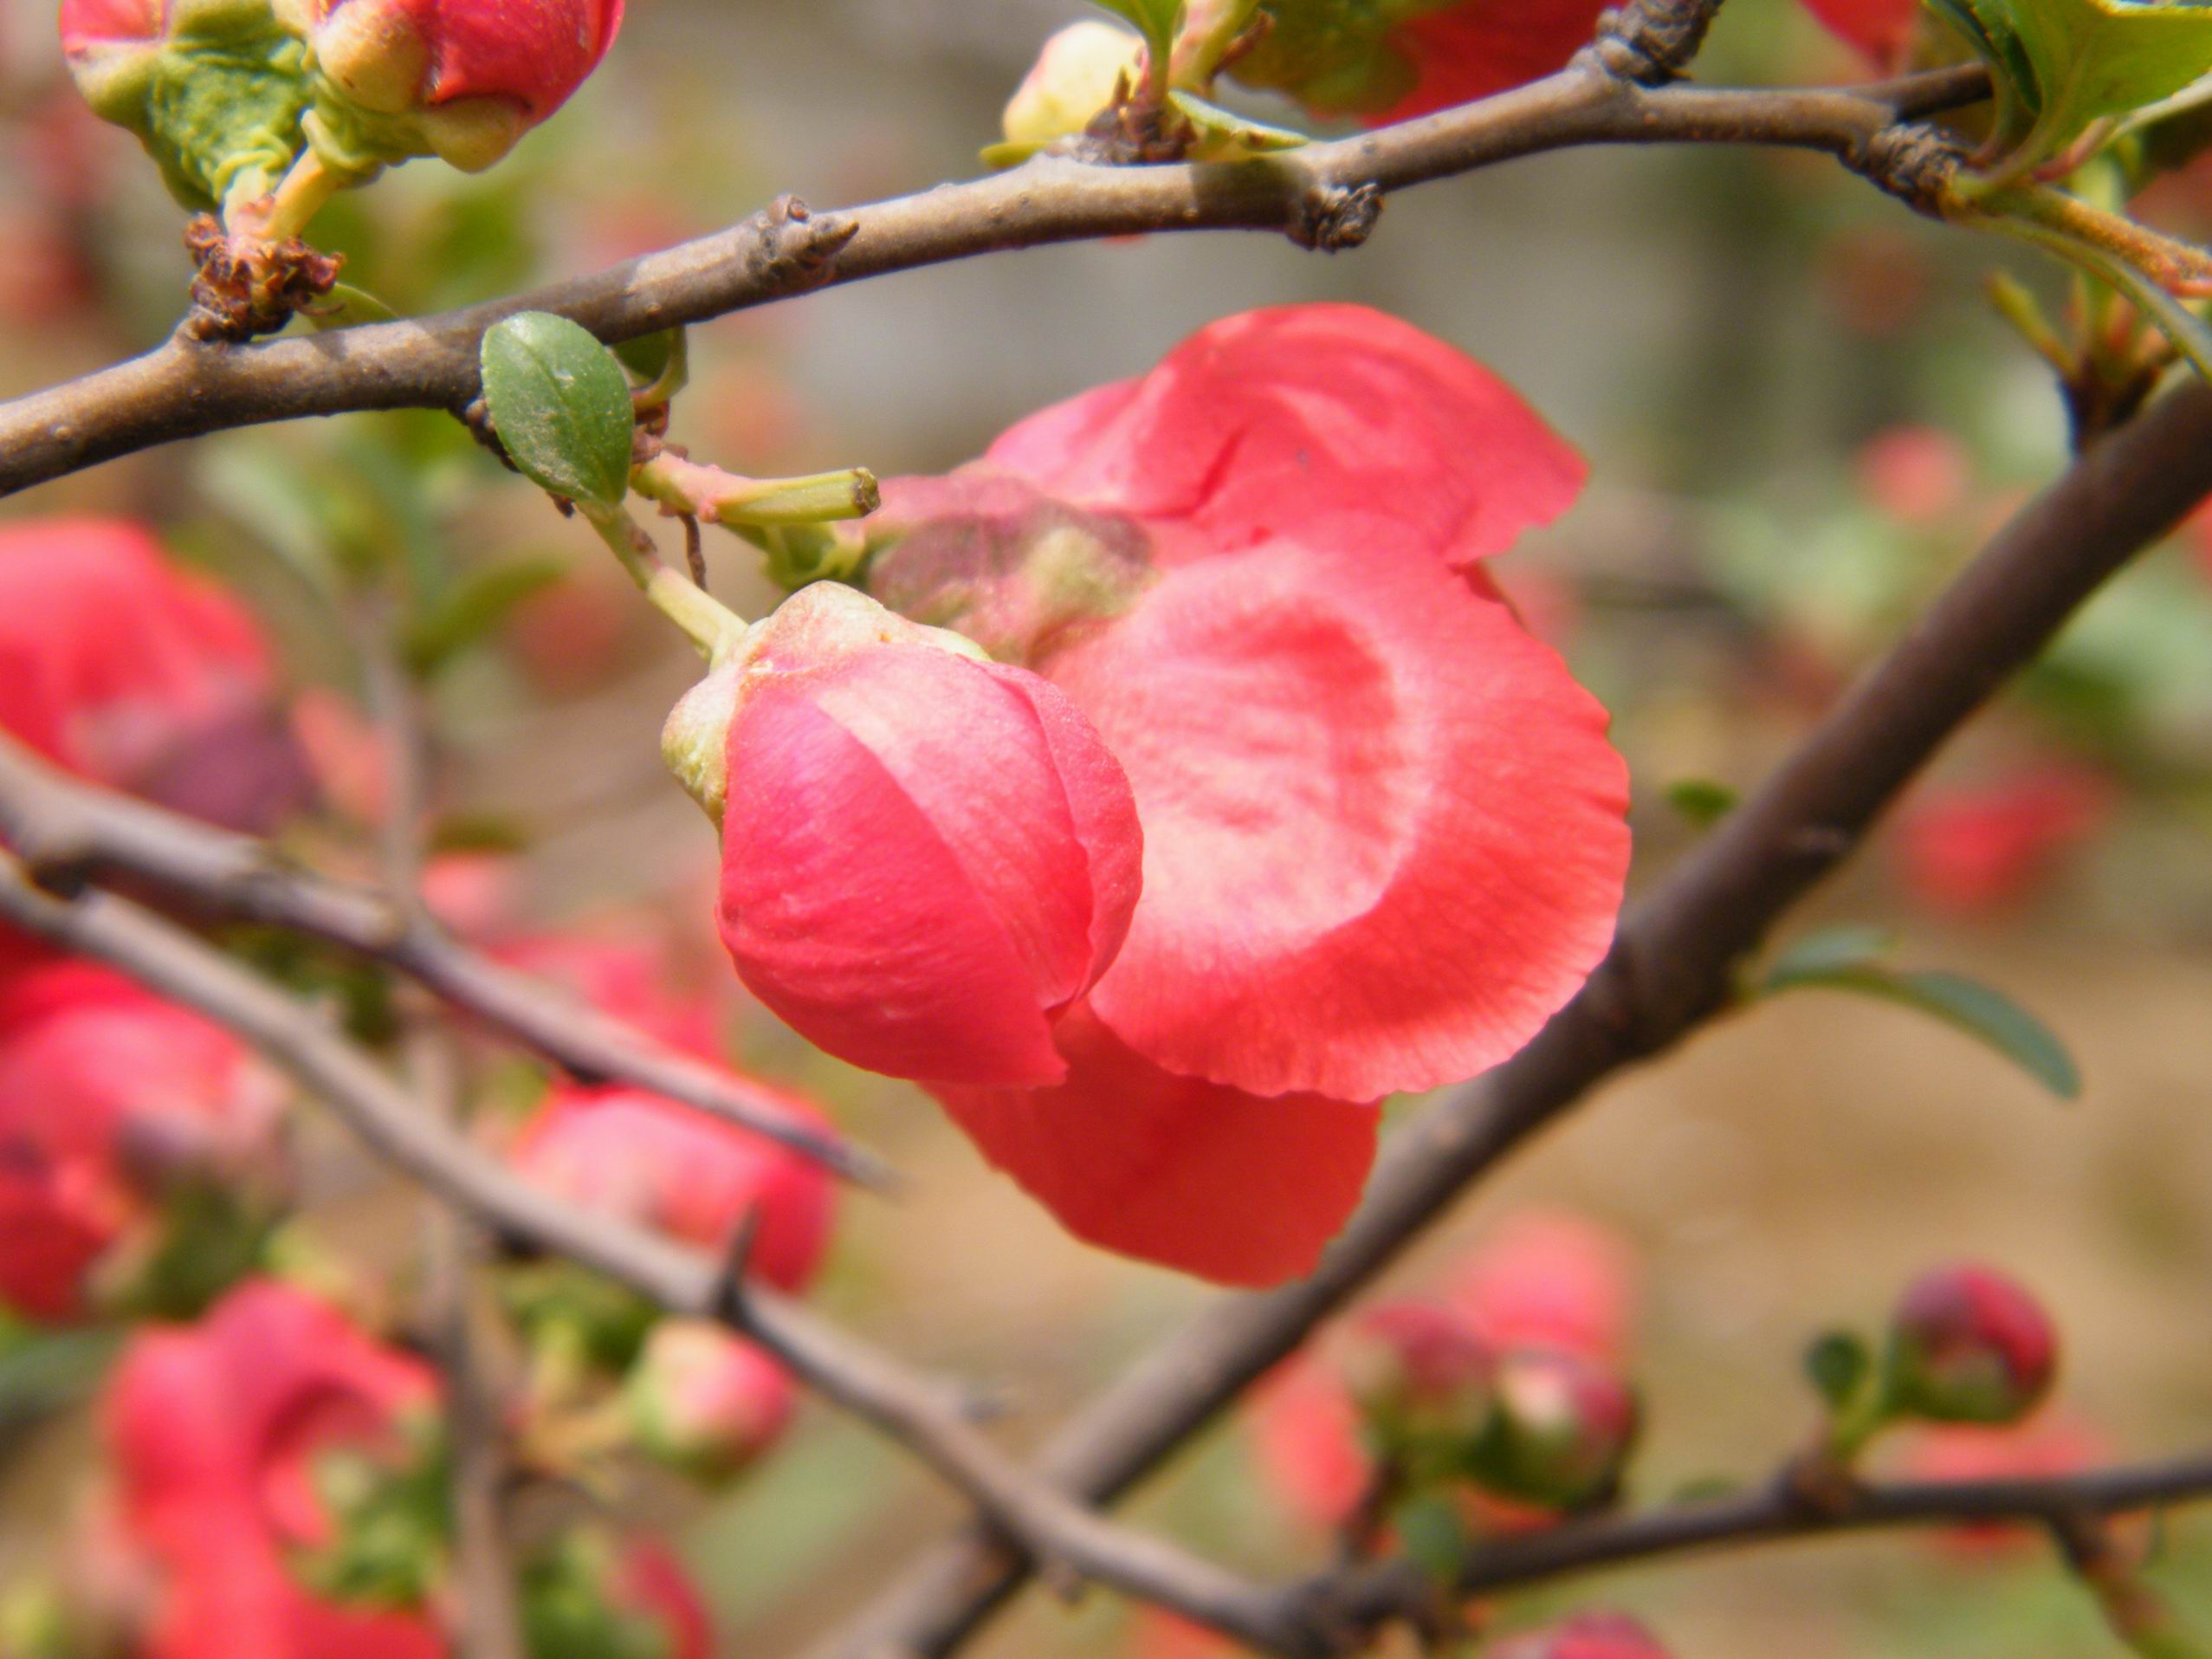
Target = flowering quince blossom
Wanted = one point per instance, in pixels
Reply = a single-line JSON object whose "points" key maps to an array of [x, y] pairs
{"points": [[1971, 849], [1970, 1345], [109, 1100], [1586, 1635], [216, 1430], [650, 1583], [656, 1164], [1383, 830], [926, 857], [706, 1401]]}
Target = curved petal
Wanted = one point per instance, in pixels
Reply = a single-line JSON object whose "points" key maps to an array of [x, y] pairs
{"points": [[1476, 49], [1261, 422], [1174, 1170], [1384, 830]]}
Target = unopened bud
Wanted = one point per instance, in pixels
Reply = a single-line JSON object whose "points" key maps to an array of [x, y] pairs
{"points": [[704, 1402], [1969, 1344], [1563, 1430], [1079, 75]]}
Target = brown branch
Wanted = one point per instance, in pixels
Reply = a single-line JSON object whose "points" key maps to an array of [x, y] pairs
{"points": [[1047, 1526], [1671, 968], [68, 831], [1776, 1512], [1323, 196]]}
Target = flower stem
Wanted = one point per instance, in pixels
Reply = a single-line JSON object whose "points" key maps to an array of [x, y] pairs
{"points": [[718, 497], [706, 621], [282, 213]]}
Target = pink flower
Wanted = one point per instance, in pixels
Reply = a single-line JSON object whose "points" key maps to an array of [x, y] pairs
{"points": [[1969, 1344], [1393, 63], [1383, 835], [1586, 1635], [650, 1582], [1916, 475], [215, 1430], [1552, 1280], [139, 674], [1234, 1188], [2051, 1444], [1564, 1429], [706, 1401], [111, 1099], [927, 858], [476, 74], [1964, 849], [657, 1164], [1880, 28]]}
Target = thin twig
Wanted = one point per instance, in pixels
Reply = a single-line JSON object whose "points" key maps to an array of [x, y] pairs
{"points": [[1323, 196], [1671, 968], [67, 830], [1047, 1525]]}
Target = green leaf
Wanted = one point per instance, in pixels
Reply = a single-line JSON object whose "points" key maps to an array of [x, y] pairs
{"points": [[1226, 136], [1829, 950], [560, 404], [1701, 802], [348, 307], [1433, 1535], [2063, 65], [1987, 1015], [475, 609], [1838, 1363], [1158, 20]]}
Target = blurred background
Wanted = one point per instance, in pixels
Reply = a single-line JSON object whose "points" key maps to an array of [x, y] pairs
{"points": [[1801, 415]]}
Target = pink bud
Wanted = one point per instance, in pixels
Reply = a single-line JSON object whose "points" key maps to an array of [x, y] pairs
{"points": [[139, 674], [926, 857], [1969, 1344], [705, 1402], [1563, 1430], [655, 1164], [1587, 1635], [1422, 1380], [1970, 848], [1548, 1281], [109, 1100], [471, 75], [650, 1582]]}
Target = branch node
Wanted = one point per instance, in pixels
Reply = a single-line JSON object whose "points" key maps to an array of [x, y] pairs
{"points": [[1651, 42], [797, 245], [1331, 218], [1915, 164]]}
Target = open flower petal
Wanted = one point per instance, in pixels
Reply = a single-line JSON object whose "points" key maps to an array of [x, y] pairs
{"points": [[1172, 1170]]}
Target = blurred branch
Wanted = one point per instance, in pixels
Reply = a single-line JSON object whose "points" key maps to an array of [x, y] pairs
{"points": [[1049, 1527], [1323, 196], [1671, 968], [68, 831], [1780, 1511]]}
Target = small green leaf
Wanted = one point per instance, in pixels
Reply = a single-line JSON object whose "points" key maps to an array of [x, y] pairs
{"points": [[1838, 1363], [348, 307], [560, 402], [475, 608], [1433, 1535], [1827, 951], [1702, 802], [1226, 136], [2063, 65], [1158, 20], [1987, 1015], [1707, 1488]]}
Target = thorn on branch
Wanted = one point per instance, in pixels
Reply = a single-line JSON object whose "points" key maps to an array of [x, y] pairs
{"points": [[797, 245], [1331, 218], [1652, 42]]}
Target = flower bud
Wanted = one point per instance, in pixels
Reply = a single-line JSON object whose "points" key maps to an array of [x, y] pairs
{"points": [[213, 88], [1077, 74], [1563, 1432], [704, 1402], [1587, 1635], [1422, 1380], [461, 80], [926, 857], [1969, 1344], [113, 1101]]}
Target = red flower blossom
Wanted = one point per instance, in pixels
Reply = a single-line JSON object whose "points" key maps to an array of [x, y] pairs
{"points": [[136, 673], [1383, 835], [660, 1165], [1382, 64], [1880, 28], [1549, 1281], [1969, 1344], [1968, 849], [215, 1430], [2052, 1444], [650, 1581], [109, 1099], [927, 859], [1130, 1157], [483, 71]]}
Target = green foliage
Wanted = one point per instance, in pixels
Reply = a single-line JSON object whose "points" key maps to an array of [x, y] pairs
{"points": [[559, 402], [1839, 1364], [1701, 802], [474, 609], [1158, 20], [1846, 959]]}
